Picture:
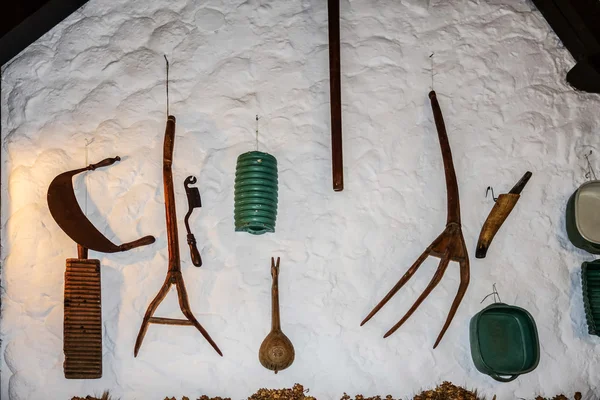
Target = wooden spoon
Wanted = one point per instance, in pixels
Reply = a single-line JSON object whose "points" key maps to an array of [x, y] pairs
{"points": [[276, 351]]}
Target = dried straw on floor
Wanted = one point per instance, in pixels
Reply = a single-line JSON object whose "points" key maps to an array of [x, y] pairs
{"points": [[105, 396], [445, 391], [296, 393]]}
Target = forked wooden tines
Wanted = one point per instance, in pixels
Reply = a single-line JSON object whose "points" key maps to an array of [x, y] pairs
{"points": [[449, 246]]}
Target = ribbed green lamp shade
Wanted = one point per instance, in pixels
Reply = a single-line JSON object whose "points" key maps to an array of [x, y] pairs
{"points": [[255, 193]]}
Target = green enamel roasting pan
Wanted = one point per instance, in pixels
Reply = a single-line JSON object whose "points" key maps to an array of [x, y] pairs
{"points": [[504, 342], [583, 217]]}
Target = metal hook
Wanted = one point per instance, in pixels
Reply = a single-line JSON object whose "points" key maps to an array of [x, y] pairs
{"points": [[494, 293], [590, 171], [167, 82], [489, 188], [87, 143], [432, 74], [257, 131]]}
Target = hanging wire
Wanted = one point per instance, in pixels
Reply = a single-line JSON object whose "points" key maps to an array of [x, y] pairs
{"points": [[431, 58], [490, 189], [167, 61], [495, 294], [87, 143], [257, 132], [590, 172]]}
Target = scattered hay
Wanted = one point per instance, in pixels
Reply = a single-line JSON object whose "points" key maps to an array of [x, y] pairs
{"points": [[445, 391], [204, 397], [361, 397], [296, 393], [105, 396], [560, 397], [448, 391]]}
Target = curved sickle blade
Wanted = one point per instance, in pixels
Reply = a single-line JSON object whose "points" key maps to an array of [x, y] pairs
{"points": [[68, 215]]}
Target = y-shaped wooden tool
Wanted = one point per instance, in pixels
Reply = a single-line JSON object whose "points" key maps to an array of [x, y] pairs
{"points": [[449, 246], [174, 276]]}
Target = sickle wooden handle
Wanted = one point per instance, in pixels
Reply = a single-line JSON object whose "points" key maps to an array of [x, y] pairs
{"points": [[104, 163], [146, 240], [501, 210]]}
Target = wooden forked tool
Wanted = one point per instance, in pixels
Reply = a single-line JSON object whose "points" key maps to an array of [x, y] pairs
{"points": [[174, 276], [449, 246]]}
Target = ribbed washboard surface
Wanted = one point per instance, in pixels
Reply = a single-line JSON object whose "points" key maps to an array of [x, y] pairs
{"points": [[83, 320]]}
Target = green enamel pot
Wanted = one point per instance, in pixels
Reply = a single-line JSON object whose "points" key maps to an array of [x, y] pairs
{"points": [[583, 217], [504, 342]]}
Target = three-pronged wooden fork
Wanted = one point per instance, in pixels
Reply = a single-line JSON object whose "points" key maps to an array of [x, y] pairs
{"points": [[449, 246]]}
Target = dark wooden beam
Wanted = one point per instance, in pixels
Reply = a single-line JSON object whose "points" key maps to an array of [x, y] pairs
{"points": [[24, 22], [337, 163], [577, 24]]}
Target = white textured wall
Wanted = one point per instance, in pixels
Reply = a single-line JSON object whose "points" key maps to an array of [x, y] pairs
{"points": [[100, 74]]}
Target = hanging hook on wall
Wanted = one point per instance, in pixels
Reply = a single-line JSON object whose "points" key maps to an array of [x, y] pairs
{"points": [[87, 143], [590, 171], [167, 84], [490, 189], [494, 293], [257, 132], [432, 74]]}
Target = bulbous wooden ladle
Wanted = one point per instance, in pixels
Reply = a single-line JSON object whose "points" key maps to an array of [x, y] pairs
{"points": [[276, 351]]}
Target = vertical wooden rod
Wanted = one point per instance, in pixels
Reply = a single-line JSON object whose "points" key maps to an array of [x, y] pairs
{"points": [[453, 207], [275, 318], [333, 8], [172, 234], [82, 252]]}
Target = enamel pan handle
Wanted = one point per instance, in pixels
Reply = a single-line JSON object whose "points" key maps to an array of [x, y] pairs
{"points": [[501, 379]]}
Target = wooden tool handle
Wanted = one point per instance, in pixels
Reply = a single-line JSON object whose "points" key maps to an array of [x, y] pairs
{"points": [[518, 188], [82, 252], [501, 210], [194, 253], [170, 210], [146, 240], [275, 318], [451, 182], [333, 8], [104, 163]]}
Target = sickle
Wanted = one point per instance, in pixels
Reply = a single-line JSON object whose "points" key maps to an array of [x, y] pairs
{"points": [[68, 215]]}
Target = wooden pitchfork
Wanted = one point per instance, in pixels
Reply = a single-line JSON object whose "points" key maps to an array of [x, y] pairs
{"points": [[174, 276], [449, 246]]}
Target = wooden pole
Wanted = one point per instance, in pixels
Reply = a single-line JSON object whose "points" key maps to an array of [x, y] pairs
{"points": [[333, 8]]}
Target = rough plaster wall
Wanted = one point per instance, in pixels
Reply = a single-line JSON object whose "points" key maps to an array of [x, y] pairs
{"points": [[100, 75]]}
